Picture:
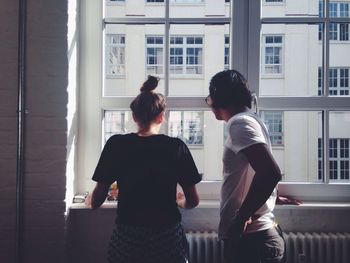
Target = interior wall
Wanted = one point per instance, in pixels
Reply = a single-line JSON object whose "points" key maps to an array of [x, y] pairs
{"points": [[46, 128], [89, 231], [8, 124]]}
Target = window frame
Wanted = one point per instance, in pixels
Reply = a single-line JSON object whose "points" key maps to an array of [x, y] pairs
{"points": [[274, 133], [265, 45], [155, 46], [325, 190], [335, 28], [184, 46], [107, 51], [246, 54], [338, 89], [335, 157], [227, 55]]}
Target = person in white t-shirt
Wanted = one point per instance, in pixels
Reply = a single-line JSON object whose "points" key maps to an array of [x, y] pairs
{"points": [[250, 176]]}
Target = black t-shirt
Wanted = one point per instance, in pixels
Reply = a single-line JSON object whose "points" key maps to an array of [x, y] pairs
{"points": [[147, 170]]}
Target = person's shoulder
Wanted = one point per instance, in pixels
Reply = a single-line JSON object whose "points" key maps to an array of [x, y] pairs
{"points": [[116, 138], [244, 118], [168, 139], [171, 141]]}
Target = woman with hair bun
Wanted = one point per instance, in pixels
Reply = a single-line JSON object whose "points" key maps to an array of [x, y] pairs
{"points": [[147, 167]]}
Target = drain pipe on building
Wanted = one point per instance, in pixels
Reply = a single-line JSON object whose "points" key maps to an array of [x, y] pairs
{"points": [[21, 112]]}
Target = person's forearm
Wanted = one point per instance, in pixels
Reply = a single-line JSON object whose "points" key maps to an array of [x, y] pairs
{"points": [[260, 190], [184, 204], [98, 197]]}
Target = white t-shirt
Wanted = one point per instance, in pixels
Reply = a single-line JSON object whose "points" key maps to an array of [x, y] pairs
{"points": [[244, 129]]}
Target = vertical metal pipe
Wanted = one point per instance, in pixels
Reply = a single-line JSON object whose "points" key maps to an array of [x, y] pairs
{"points": [[20, 128], [166, 47], [166, 59]]}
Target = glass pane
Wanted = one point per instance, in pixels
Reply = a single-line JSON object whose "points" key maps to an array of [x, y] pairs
{"points": [[339, 150], [127, 8], [199, 8], [117, 122], [283, 8], [188, 126], [197, 52], [339, 55], [131, 53], [291, 56], [204, 136], [295, 138]]}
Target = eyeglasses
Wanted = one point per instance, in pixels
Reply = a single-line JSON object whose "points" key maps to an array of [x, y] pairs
{"points": [[209, 101]]}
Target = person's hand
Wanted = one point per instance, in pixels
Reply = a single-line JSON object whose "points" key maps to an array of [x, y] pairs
{"points": [[283, 200], [237, 228], [88, 200], [180, 199]]}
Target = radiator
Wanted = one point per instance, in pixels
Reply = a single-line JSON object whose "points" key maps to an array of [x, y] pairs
{"points": [[301, 247]]}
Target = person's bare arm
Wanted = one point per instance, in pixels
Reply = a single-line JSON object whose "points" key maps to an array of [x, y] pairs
{"points": [[189, 199], [99, 195], [267, 175]]}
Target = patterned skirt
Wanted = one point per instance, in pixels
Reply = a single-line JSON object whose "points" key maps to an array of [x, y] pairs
{"points": [[134, 244]]}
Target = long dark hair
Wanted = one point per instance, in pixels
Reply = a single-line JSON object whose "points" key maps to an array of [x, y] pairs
{"points": [[148, 104], [229, 88]]}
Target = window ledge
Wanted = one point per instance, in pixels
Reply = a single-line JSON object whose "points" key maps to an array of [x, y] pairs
{"points": [[305, 205], [216, 204], [272, 76]]}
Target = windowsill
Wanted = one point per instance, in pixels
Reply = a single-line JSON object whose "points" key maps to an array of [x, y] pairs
{"points": [[195, 146], [272, 76], [216, 204], [187, 4], [115, 76], [115, 3], [340, 42]]}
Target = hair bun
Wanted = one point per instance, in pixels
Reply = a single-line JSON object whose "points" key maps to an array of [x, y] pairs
{"points": [[150, 84]]}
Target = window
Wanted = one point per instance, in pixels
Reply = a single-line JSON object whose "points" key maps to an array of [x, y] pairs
{"points": [[115, 55], [274, 123], [338, 81], [155, 1], [308, 120], [186, 54], [227, 52], [197, 48], [187, 125], [337, 31], [274, 1], [272, 55], [117, 122], [114, 123], [339, 159], [154, 55]]}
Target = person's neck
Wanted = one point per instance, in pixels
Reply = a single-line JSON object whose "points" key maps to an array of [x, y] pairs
{"points": [[229, 113], [149, 131]]}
